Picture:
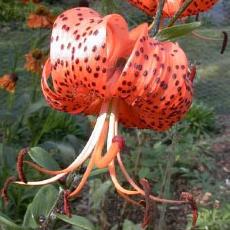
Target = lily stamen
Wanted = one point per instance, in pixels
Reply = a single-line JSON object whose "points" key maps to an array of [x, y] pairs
{"points": [[4, 190], [19, 167], [81, 157]]}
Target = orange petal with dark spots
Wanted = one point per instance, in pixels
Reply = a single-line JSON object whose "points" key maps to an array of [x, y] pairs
{"points": [[172, 6], [94, 59], [155, 82], [83, 46]]}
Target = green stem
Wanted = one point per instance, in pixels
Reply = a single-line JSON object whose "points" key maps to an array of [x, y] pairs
{"points": [[37, 138], [165, 188], [10, 101], [185, 5], [35, 86], [138, 157], [157, 19]]}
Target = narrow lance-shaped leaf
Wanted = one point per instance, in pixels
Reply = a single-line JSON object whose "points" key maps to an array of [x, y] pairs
{"points": [[9, 224], [177, 31]]}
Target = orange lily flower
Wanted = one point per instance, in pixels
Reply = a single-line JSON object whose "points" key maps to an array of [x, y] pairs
{"points": [[35, 61], [172, 6], [40, 18], [97, 67], [8, 82]]}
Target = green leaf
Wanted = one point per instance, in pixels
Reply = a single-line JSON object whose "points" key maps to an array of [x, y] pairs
{"points": [[97, 172], [98, 192], [29, 218], [128, 225], [36, 106], [9, 224], [177, 31], [78, 221], [6, 116], [43, 158], [144, 172], [39, 40], [41, 205]]}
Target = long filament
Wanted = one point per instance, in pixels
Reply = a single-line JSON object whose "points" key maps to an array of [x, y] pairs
{"points": [[91, 161], [113, 130], [83, 155], [131, 181]]}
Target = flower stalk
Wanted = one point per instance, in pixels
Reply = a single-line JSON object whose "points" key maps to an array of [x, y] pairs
{"points": [[177, 15], [157, 20]]}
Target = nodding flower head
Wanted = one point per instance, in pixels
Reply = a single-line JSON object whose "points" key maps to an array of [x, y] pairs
{"points": [[172, 6], [8, 82], [98, 67], [95, 59], [35, 60], [40, 18]]}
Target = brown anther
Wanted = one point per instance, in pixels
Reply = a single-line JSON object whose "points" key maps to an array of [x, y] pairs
{"points": [[4, 190], [66, 205], [120, 140], [225, 42], [189, 198], [20, 159]]}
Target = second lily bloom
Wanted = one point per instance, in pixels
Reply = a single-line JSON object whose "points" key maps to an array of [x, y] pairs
{"points": [[172, 6]]}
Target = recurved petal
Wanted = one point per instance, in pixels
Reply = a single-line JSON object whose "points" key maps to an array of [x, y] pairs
{"points": [[155, 82], [172, 6], [126, 85], [81, 100], [198, 6], [168, 97], [141, 67], [148, 6], [84, 47]]}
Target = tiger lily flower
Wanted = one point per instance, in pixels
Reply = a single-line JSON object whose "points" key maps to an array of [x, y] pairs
{"points": [[172, 6], [98, 67]]}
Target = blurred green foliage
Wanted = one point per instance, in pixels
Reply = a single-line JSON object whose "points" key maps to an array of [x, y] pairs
{"points": [[201, 120], [12, 10]]}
